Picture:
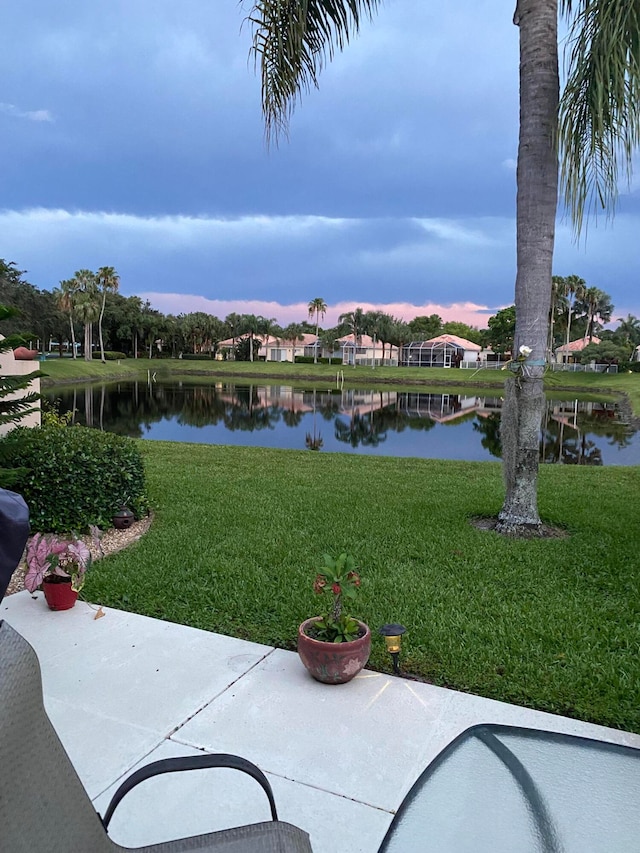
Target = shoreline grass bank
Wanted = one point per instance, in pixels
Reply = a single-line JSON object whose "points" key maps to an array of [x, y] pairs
{"points": [[550, 624]]}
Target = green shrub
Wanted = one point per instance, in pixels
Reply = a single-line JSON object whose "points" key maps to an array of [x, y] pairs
{"points": [[308, 359], [197, 356], [77, 476], [110, 356]]}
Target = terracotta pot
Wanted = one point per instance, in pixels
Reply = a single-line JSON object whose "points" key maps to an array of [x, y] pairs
{"points": [[333, 663], [58, 592]]}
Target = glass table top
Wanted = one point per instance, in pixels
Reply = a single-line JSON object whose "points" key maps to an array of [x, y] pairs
{"points": [[500, 789]]}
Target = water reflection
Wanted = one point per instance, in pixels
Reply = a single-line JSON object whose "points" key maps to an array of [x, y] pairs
{"points": [[384, 422]]}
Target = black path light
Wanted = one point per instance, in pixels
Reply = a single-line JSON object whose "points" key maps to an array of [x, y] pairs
{"points": [[393, 640]]}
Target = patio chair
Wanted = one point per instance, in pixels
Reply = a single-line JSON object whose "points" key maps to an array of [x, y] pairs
{"points": [[44, 807]]}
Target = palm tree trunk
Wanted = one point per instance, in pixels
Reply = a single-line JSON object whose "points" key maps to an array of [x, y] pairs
{"points": [[87, 342], [537, 178], [566, 355], [104, 299], [315, 348], [73, 335]]}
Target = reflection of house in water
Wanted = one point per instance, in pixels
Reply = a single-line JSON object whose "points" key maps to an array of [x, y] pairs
{"points": [[436, 407], [567, 412], [286, 397], [446, 407]]}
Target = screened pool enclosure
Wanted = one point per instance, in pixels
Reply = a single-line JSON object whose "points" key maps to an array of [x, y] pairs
{"points": [[432, 354]]}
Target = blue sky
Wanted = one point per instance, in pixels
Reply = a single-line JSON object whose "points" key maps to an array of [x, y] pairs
{"points": [[131, 136]]}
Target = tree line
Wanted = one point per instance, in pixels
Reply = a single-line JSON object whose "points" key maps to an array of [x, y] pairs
{"points": [[130, 325]]}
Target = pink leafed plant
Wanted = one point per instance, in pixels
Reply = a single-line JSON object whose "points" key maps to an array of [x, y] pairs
{"points": [[51, 555]]}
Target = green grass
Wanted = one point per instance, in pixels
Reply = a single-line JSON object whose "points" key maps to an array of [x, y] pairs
{"points": [[59, 370], [551, 624]]}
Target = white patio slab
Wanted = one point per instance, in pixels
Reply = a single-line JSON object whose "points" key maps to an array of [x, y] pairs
{"points": [[101, 749], [126, 689], [176, 805], [383, 731], [140, 671]]}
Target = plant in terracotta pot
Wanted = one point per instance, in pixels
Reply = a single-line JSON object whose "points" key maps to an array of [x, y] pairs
{"points": [[59, 565], [334, 647]]}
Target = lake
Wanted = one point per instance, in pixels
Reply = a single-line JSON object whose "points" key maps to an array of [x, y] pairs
{"points": [[381, 422]]}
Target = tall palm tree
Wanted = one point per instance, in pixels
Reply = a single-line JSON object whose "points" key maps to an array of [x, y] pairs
{"points": [[293, 40], [269, 328], [251, 325], [108, 281], [558, 305], [86, 306], [64, 298], [87, 312], [629, 329], [599, 123], [293, 332], [317, 306], [400, 335], [355, 322], [573, 288], [234, 325], [598, 305]]}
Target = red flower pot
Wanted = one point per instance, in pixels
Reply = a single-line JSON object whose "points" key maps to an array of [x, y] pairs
{"points": [[333, 663], [58, 592]]}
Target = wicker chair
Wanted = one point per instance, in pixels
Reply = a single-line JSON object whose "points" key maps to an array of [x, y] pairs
{"points": [[34, 765]]}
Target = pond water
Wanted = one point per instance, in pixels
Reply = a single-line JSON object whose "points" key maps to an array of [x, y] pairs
{"points": [[380, 422]]}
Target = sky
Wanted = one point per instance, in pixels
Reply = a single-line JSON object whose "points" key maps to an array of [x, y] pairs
{"points": [[131, 136]]}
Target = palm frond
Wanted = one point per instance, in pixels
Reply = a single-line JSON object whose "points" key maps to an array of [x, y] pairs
{"points": [[599, 120], [292, 41]]}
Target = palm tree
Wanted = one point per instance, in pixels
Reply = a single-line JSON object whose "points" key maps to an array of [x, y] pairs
{"points": [[293, 332], [558, 304], [355, 322], [86, 306], [599, 121], [108, 281], [252, 326], [269, 328], [572, 288], [601, 105], [373, 322], [598, 305], [317, 306], [64, 298], [629, 329], [234, 325]]}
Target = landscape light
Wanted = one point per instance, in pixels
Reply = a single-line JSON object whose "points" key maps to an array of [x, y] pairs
{"points": [[393, 640]]}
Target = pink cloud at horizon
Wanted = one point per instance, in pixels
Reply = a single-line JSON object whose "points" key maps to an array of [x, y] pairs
{"points": [[178, 303]]}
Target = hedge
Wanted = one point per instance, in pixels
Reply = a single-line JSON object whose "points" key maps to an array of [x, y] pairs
{"points": [[76, 476]]}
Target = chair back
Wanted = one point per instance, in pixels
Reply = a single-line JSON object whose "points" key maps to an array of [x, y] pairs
{"points": [[44, 807]]}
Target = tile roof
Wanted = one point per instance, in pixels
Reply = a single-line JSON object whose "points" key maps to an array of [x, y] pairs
{"points": [[456, 341], [578, 345]]}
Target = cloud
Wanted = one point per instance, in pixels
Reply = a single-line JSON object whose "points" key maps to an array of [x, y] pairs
{"points": [[31, 115], [181, 303], [430, 265]]}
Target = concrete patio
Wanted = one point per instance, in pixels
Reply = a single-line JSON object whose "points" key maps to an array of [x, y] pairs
{"points": [[124, 690]]}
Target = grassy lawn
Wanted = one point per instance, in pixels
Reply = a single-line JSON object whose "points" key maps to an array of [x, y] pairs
{"points": [[551, 624]]}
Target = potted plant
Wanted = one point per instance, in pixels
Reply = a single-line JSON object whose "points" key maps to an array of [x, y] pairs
{"points": [[59, 566], [336, 646]]}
